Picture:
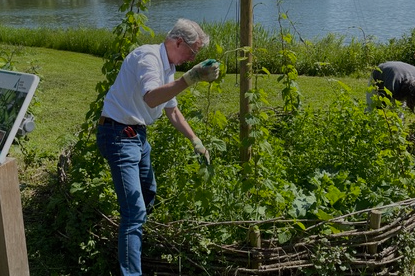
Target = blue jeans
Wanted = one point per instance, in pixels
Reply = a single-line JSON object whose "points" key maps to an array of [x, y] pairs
{"points": [[129, 159]]}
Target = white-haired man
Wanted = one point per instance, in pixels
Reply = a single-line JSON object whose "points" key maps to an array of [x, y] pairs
{"points": [[143, 89]]}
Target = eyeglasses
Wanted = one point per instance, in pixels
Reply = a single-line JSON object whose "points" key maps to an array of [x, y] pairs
{"points": [[194, 53]]}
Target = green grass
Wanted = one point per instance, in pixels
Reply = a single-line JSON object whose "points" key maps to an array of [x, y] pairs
{"points": [[68, 87], [317, 92], [82, 40]]}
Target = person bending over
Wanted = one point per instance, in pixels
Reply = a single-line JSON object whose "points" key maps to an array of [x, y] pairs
{"points": [[143, 89], [399, 78]]}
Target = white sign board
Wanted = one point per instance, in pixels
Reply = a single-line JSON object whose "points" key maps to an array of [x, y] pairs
{"points": [[16, 92]]}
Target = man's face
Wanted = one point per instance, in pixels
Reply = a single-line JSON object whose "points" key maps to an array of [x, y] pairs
{"points": [[186, 52]]}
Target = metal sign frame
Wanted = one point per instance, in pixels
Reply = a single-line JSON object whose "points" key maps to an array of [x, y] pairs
{"points": [[16, 92]]}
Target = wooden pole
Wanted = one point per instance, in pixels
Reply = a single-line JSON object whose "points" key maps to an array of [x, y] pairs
{"points": [[375, 220], [13, 252], [254, 236], [246, 81]]}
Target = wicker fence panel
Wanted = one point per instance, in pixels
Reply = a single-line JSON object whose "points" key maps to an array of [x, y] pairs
{"points": [[370, 246]]}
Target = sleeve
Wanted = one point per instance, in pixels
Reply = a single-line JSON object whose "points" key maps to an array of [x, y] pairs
{"points": [[149, 71], [172, 103]]}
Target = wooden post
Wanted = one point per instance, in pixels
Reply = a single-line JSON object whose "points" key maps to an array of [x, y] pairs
{"points": [[246, 29], [254, 237], [13, 252], [375, 219]]}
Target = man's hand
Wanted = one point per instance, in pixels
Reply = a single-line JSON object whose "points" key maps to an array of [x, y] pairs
{"points": [[201, 150], [207, 70]]}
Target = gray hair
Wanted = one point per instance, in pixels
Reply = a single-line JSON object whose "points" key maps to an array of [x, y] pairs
{"points": [[189, 31]]}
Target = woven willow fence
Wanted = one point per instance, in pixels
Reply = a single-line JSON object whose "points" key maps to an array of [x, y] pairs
{"points": [[377, 241], [372, 244]]}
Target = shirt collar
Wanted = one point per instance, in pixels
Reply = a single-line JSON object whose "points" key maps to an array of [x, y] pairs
{"points": [[168, 68]]}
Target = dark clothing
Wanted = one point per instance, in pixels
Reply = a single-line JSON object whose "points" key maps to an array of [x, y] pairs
{"points": [[392, 75], [397, 77]]}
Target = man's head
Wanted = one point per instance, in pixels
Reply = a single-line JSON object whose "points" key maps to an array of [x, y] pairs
{"points": [[184, 41]]}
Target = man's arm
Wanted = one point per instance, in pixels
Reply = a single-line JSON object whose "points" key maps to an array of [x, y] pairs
{"points": [[179, 122], [207, 70], [164, 93]]}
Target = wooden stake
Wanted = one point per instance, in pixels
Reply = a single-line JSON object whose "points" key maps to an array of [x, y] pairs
{"points": [[246, 29], [254, 236], [375, 220], [13, 252]]}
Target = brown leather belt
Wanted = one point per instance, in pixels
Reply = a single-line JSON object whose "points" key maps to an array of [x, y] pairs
{"points": [[105, 120]]}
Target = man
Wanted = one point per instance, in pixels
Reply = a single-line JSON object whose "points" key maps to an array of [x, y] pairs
{"points": [[399, 78], [144, 87]]}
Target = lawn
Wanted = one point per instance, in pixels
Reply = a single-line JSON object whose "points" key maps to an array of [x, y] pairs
{"points": [[68, 82]]}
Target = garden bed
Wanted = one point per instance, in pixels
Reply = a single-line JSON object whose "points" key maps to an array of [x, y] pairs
{"points": [[373, 243]]}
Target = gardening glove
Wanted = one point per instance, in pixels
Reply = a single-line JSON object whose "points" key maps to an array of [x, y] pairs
{"points": [[207, 70], [201, 150]]}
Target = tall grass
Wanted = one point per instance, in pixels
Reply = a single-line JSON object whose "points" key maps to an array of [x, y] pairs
{"points": [[81, 40], [330, 55]]}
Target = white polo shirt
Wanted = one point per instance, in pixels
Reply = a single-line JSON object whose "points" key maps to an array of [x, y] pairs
{"points": [[144, 69]]}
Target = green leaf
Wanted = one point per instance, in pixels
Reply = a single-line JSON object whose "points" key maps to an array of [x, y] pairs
{"points": [[218, 144], [266, 71], [344, 86], [261, 210], [301, 225], [334, 194], [284, 237], [248, 209], [219, 49], [301, 204], [76, 187], [323, 215], [219, 119]]}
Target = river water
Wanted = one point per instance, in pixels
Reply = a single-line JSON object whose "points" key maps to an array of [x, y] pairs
{"points": [[380, 19]]}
